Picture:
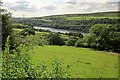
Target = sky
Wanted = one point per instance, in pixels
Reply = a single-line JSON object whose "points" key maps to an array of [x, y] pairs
{"points": [[37, 8]]}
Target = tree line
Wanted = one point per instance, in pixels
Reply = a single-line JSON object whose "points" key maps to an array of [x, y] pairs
{"points": [[63, 23], [100, 37]]}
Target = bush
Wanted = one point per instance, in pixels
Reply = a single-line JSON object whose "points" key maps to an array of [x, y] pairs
{"points": [[71, 41], [28, 31], [55, 39], [58, 71], [17, 65], [79, 43], [89, 40], [19, 25], [77, 34]]}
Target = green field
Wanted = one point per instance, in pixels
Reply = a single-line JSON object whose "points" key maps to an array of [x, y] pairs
{"points": [[100, 15], [88, 18], [110, 15], [82, 62]]}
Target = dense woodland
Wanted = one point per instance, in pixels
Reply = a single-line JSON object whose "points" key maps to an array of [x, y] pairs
{"points": [[80, 22]]}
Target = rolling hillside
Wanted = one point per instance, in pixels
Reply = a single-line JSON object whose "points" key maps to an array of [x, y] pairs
{"points": [[80, 22]]}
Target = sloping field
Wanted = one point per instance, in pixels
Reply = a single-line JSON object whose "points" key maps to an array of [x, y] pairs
{"points": [[82, 62]]}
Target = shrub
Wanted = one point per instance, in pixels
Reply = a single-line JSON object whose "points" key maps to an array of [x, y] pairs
{"points": [[17, 65], [57, 70], [28, 31], [77, 34], [55, 39], [71, 41], [89, 40], [19, 25], [79, 43]]}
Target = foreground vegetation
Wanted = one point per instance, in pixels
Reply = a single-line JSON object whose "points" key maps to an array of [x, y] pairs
{"points": [[18, 66], [35, 62]]}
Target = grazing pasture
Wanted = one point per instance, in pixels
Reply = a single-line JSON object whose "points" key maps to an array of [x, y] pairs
{"points": [[81, 62]]}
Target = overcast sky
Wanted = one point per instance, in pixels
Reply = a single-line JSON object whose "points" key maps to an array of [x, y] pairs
{"points": [[34, 8]]}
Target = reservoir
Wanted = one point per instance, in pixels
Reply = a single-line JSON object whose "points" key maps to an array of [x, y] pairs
{"points": [[57, 30]]}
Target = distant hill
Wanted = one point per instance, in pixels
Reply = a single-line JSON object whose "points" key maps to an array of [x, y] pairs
{"points": [[81, 22], [88, 15]]}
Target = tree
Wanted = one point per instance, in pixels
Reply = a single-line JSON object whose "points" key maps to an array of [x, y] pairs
{"points": [[102, 33], [71, 41], [28, 31], [79, 43], [106, 37], [6, 25], [77, 34], [55, 39], [89, 40]]}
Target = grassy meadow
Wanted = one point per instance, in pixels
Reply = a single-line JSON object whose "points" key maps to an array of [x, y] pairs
{"points": [[110, 15], [84, 56], [82, 62]]}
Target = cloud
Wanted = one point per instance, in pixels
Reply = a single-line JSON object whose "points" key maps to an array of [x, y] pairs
{"points": [[72, 2], [89, 7], [50, 7], [98, 1], [98, 7], [22, 6]]}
